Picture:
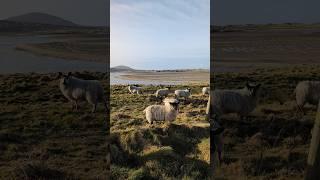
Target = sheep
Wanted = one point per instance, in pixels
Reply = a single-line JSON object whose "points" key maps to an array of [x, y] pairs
{"points": [[76, 90], [135, 89], [162, 92], [166, 112], [307, 92], [205, 90], [239, 101], [216, 134], [182, 93]]}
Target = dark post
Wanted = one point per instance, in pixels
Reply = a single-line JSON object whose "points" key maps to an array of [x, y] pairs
{"points": [[313, 164]]}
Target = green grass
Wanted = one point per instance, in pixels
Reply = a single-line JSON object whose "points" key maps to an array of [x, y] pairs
{"points": [[177, 150], [273, 142], [41, 137]]}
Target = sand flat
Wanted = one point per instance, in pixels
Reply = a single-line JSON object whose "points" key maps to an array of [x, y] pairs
{"points": [[185, 76]]}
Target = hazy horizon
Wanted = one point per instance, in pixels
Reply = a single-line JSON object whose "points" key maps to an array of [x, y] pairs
{"points": [[82, 12], [160, 34], [233, 12]]}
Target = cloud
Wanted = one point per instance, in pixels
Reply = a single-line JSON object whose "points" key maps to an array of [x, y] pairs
{"points": [[159, 29]]}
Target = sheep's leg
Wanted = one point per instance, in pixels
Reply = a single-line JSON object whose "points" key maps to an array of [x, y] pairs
{"points": [[106, 105], [76, 105], [300, 108], [94, 108], [219, 149]]}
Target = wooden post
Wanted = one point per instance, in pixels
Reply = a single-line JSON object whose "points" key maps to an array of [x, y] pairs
{"points": [[313, 164]]}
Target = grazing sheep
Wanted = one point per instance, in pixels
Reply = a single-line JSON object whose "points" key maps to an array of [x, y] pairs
{"points": [[205, 90], [239, 101], [183, 93], [216, 130], [76, 90], [135, 89], [166, 112], [162, 92], [307, 92]]}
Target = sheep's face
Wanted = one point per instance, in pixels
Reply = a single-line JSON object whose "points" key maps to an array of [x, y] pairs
{"points": [[188, 89], [253, 89], [174, 103], [175, 106], [64, 79]]}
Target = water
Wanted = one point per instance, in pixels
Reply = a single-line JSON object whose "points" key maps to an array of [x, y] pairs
{"points": [[13, 61], [116, 79]]}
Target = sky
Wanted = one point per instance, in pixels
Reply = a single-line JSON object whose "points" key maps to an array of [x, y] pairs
{"points": [[83, 12], [224, 12], [160, 34]]}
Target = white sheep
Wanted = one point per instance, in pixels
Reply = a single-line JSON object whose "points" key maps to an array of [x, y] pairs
{"points": [[307, 92], [166, 112], [216, 137], [183, 93], [239, 101], [135, 89], [205, 90], [162, 92], [76, 90]]}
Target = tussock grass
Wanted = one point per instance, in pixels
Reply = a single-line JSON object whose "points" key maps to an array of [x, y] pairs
{"points": [[273, 142], [42, 138], [177, 150]]}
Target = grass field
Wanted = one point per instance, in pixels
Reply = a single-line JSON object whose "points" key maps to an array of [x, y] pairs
{"points": [[265, 47], [273, 142], [179, 150], [42, 138], [79, 44]]}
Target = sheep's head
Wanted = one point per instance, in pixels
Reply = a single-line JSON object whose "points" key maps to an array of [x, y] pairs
{"points": [[173, 102], [189, 89], [253, 88], [64, 79]]}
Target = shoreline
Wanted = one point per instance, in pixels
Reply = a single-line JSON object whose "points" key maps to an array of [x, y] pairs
{"points": [[186, 77]]}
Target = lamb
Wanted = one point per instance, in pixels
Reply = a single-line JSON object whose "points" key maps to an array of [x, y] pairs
{"points": [[205, 90], [76, 90], [162, 92], [239, 101], [183, 93], [166, 112], [135, 89], [307, 92]]}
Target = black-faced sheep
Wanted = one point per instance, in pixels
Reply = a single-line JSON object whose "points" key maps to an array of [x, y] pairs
{"points": [[135, 89], [76, 90], [205, 90], [160, 93], [239, 101], [183, 93], [307, 92], [166, 112]]}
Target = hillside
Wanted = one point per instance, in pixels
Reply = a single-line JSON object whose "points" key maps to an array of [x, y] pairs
{"points": [[41, 18], [121, 68]]}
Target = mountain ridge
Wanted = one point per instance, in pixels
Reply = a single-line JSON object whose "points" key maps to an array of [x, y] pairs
{"points": [[41, 18]]}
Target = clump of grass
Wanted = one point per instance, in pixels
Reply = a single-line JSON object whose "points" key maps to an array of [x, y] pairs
{"points": [[39, 170], [37, 123], [161, 150]]}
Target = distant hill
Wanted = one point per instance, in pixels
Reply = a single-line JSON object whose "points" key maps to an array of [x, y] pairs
{"points": [[41, 18], [121, 68]]}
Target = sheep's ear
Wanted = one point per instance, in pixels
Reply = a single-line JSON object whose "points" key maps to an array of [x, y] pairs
{"points": [[60, 74]]}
